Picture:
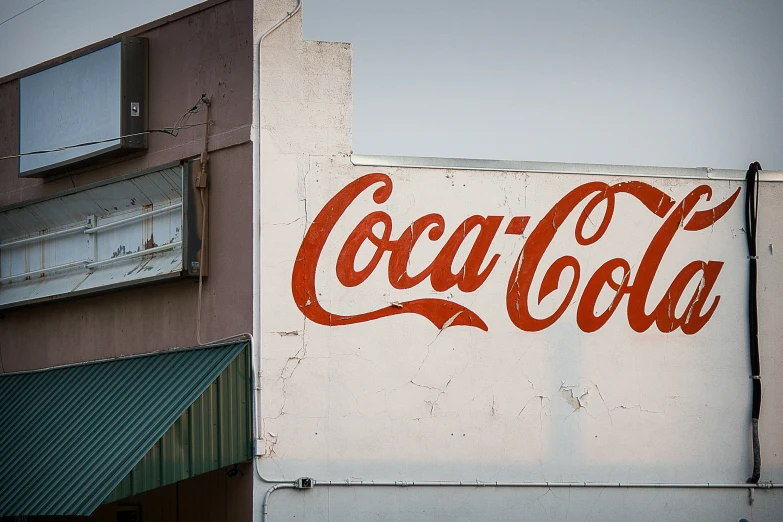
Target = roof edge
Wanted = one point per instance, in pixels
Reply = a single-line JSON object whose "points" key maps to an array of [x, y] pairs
{"points": [[221, 344], [544, 167]]}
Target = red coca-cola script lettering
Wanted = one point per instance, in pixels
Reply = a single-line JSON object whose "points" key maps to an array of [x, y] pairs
{"points": [[616, 274]]}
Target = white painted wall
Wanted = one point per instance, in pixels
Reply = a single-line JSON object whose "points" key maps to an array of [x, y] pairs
{"points": [[398, 399]]}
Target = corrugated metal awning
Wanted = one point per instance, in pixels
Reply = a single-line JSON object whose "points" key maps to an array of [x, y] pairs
{"points": [[68, 436]]}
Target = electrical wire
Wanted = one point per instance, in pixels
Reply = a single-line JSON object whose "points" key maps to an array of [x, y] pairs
{"points": [[751, 218], [183, 120], [201, 267], [204, 160], [22, 12], [182, 123], [166, 130]]}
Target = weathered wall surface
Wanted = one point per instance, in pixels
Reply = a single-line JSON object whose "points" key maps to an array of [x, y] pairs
{"points": [[372, 373], [210, 50]]}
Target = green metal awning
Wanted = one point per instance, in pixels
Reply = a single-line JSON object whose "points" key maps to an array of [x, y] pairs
{"points": [[69, 436]]}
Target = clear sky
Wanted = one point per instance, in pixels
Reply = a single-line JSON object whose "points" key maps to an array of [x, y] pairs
{"points": [[663, 82]]}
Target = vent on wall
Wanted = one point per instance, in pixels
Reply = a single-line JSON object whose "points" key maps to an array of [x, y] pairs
{"points": [[131, 230], [98, 98]]}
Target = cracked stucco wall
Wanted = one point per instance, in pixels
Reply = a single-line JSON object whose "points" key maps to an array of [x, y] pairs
{"points": [[399, 399]]}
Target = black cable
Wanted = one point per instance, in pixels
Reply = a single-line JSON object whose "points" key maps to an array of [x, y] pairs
{"points": [[166, 130], [171, 131], [751, 218], [183, 120], [20, 13]]}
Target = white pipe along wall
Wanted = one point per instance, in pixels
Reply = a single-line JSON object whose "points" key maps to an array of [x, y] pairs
{"points": [[445, 339]]}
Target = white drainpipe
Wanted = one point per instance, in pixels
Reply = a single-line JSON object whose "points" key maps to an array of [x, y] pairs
{"points": [[256, 337]]}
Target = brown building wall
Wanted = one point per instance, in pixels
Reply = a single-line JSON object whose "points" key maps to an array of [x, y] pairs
{"points": [[209, 49], [211, 497]]}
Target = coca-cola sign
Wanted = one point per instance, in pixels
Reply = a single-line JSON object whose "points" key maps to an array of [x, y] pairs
{"points": [[628, 281]]}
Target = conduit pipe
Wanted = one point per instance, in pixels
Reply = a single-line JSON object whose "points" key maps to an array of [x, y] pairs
{"points": [[457, 484], [256, 337], [265, 504], [751, 217]]}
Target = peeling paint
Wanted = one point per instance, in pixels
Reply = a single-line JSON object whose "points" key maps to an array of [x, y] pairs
{"points": [[270, 441], [575, 401], [149, 243]]}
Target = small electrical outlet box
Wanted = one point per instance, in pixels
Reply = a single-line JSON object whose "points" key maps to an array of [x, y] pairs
{"points": [[305, 483]]}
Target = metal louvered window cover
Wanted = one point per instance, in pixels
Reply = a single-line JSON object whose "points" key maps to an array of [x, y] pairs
{"points": [[115, 233], [69, 435]]}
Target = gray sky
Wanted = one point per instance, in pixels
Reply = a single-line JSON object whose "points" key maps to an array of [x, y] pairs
{"points": [[664, 82]]}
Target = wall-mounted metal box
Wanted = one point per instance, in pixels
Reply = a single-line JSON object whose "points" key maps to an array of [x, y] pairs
{"points": [[96, 98]]}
